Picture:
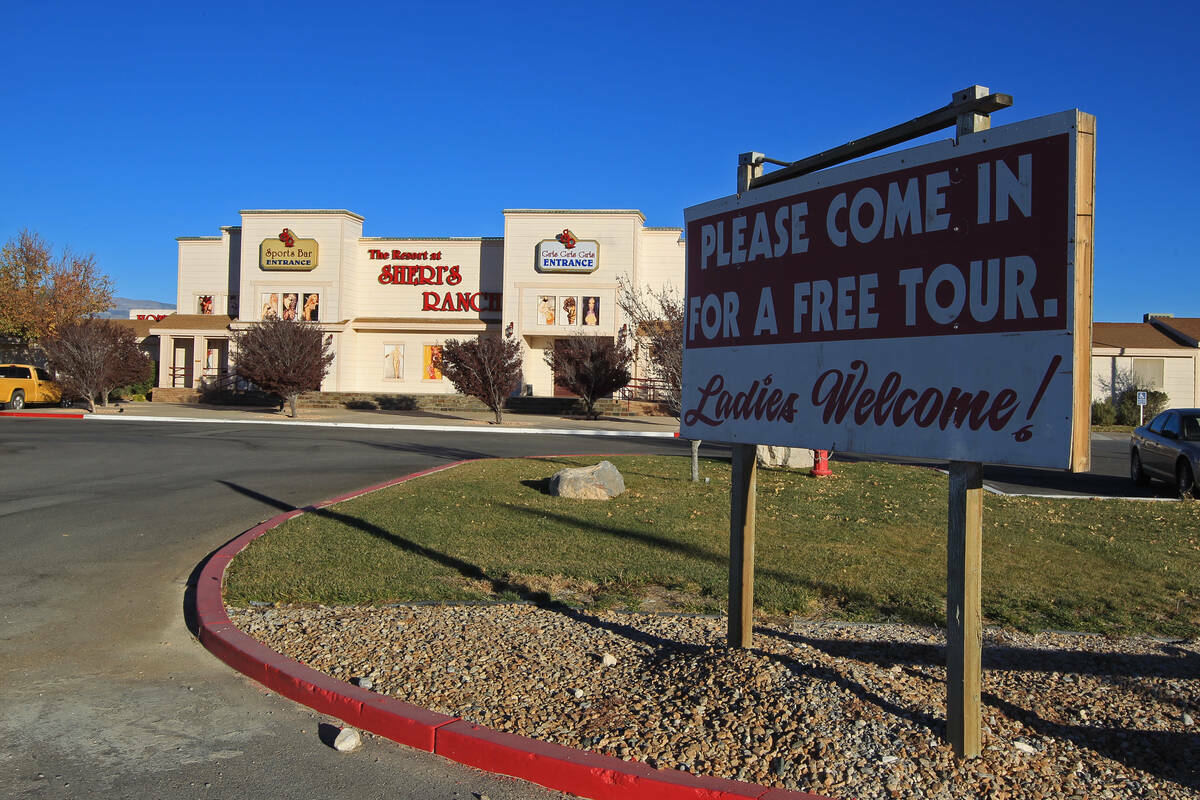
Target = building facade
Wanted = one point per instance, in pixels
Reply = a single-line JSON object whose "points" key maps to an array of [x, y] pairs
{"points": [[1160, 353], [388, 303]]}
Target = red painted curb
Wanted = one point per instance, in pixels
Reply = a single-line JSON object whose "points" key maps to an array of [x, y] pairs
{"points": [[583, 773], [562, 768], [39, 415]]}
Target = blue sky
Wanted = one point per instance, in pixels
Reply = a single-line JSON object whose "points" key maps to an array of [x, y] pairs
{"points": [[129, 124]]}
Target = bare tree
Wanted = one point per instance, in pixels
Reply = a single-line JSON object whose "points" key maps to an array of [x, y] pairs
{"points": [[94, 356], [39, 294], [591, 367], [657, 317], [1120, 382], [285, 357], [488, 369]]}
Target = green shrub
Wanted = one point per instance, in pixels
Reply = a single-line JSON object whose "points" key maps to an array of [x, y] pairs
{"points": [[1127, 407], [141, 389], [1104, 413]]}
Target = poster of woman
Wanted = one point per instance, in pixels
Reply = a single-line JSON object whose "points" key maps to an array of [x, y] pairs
{"points": [[546, 310], [206, 304], [270, 305], [568, 305], [591, 311], [290, 301], [312, 308]]}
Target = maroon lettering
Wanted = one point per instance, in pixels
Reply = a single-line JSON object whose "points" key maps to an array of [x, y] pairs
{"points": [[838, 391], [887, 390], [927, 408], [862, 409], [959, 404], [1003, 409], [759, 401]]}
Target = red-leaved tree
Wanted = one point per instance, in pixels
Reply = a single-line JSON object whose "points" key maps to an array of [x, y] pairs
{"points": [[590, 366], [488, 369], [94, 356], [283, 356]]}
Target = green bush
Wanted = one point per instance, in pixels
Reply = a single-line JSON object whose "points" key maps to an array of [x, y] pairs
{"points": [[141, 389], [1127, 407], [1104, 413]]}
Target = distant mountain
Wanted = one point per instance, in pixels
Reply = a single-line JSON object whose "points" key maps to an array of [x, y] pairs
{"points": [[121, 306]]}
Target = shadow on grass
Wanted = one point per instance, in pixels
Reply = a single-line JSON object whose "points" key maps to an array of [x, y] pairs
{"points": [[498, 586], [541, 485], [693, 551]]}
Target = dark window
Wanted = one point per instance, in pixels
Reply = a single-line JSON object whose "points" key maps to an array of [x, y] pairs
{"points": [[43, 375], [1157, 425], [20, 373], [1172, 427]]}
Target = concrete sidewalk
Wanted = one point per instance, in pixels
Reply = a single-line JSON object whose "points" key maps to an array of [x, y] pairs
{"points": [[658, 426]]}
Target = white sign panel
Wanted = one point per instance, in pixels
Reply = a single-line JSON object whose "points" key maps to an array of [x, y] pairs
{"points": [[919, 304], [565, 253]]}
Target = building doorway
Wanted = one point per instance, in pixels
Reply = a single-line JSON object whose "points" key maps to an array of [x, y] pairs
{"points": [[561, 391], [181, 363]]}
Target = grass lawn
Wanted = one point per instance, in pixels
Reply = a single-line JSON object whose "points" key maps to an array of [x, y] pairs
{"points": [[867, 544]]}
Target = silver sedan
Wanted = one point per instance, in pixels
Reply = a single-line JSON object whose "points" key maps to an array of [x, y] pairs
{"points": [[1168, 448]]}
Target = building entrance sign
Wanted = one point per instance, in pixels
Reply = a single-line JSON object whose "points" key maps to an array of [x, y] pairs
{"points": [[566, 253], [288, 253]]}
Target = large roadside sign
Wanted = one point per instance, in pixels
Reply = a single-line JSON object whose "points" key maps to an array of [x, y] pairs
{"points": [[933, 302]]}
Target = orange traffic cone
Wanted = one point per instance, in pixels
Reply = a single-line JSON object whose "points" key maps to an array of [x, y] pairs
{"points": [[821, 464]]}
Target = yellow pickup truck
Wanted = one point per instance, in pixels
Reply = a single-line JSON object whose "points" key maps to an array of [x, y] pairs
{"points": [[24, 383]]}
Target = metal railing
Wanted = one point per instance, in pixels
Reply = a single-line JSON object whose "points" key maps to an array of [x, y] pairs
{"points": [[645, 390]]}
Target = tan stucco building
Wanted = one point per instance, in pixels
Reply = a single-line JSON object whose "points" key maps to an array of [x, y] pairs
{"points": [[389, 302], [1161, 353]]}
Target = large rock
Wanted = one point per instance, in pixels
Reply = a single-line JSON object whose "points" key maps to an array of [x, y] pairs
{"points": [[348, 740], [598, 482], [791, 457]]}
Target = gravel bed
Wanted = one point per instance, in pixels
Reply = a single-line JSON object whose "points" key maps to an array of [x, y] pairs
{"points": [[839, 709]]}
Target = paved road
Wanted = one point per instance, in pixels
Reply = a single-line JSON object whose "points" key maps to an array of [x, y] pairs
{"points": [[103, 690], [1108, 476]]}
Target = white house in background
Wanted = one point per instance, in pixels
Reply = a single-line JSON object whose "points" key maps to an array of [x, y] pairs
{"points": [[1162, 352]]}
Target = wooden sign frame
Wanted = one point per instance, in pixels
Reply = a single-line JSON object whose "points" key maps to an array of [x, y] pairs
{"points": [[965, 494]]}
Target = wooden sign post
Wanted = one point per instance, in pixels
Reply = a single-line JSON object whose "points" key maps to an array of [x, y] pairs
{"points": [[742, 496], [741, 545], [964, 558], [964, 630]]}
